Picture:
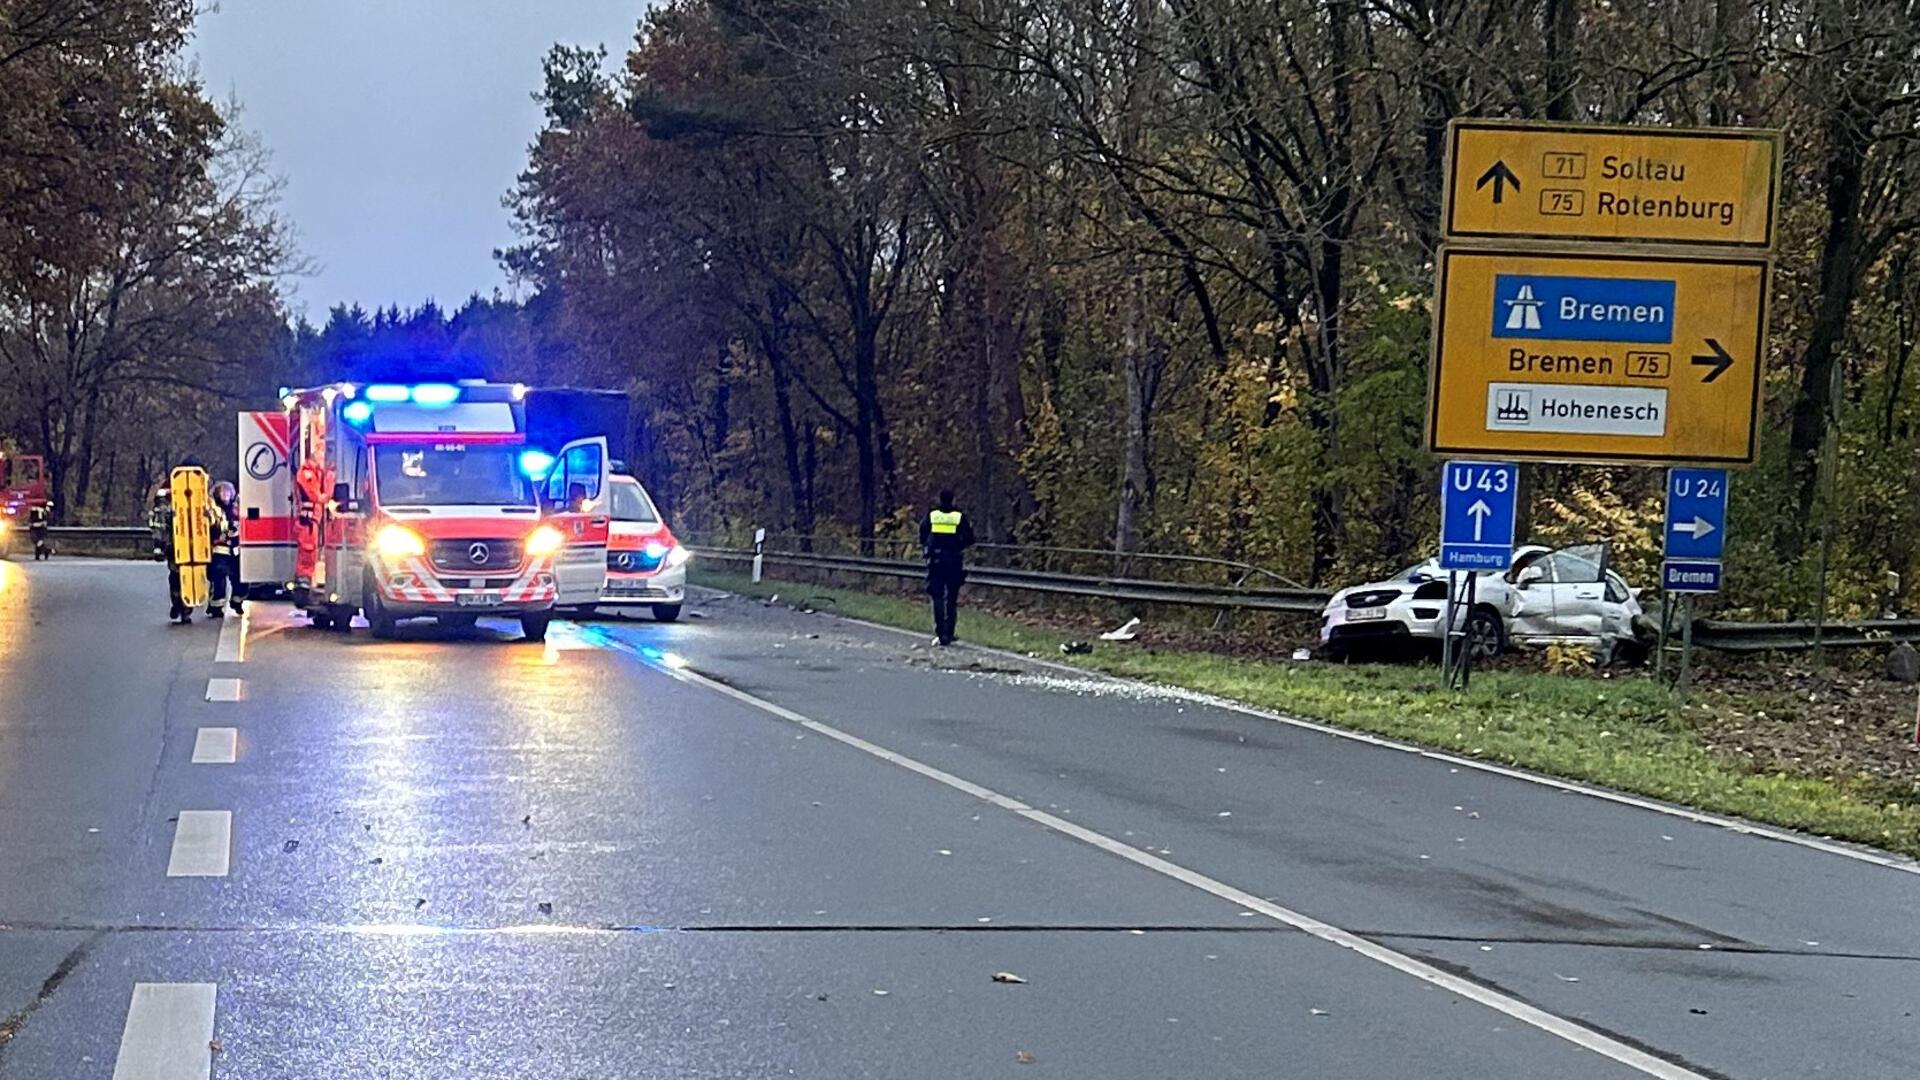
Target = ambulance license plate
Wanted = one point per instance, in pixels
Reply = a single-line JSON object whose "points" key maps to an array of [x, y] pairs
{"points": [[477, 599]]}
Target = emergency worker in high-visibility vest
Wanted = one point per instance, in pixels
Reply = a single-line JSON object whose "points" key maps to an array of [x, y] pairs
{"points": [[945, 536]]}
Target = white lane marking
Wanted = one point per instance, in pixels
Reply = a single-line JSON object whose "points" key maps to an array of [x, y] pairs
{"points": [[169, 1033], [225, 689], [1583, 1037], [1698, 817], [233, 638], [202, 844], [216, 745]]}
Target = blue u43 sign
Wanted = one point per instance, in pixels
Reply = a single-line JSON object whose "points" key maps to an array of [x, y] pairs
{"points": [[1476, 514]]}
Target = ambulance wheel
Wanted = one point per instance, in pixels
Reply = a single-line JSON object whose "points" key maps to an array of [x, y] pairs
{"points": [[534, 627], [666, 612], [379, 619]]}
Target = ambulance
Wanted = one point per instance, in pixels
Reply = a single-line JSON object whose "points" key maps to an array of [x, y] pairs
{"points": [[398, 501]]}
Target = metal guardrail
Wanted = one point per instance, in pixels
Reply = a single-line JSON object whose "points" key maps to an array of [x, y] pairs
{"points": [[1795, 636], [1298, 601], [1725, 636]]}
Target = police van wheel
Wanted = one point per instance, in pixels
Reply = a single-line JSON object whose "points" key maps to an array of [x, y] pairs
{"points": [[534, 627], [666, 612]]}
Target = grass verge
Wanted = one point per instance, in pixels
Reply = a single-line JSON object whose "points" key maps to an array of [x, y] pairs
{"points": [[1621, 733]]}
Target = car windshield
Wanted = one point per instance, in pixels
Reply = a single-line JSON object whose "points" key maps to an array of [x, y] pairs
{"points": [[630, 503], [450, 474]]}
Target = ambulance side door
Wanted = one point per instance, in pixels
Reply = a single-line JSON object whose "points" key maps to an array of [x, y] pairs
{"points": [[576, 496]]}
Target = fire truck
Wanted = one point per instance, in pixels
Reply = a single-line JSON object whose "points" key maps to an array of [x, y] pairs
{"points": [[23, 486], [405, 500]]}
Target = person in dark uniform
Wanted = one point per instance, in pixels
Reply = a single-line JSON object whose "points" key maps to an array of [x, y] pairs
{"points": [[39, 519], [945, 535], [223, 570]]}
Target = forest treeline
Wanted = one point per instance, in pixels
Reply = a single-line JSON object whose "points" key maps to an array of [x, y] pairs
{"points": [[1157, 274], [1139, 274], [141, 252]]}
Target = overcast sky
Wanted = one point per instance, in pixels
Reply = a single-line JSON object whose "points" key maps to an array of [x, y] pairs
{"points": [[398, 125]]}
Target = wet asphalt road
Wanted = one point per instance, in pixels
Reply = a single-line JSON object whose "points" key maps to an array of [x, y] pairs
{"points": [[471, 857]]}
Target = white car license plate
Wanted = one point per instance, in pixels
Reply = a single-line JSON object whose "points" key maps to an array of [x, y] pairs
{"points": [[1366, 614], [477, 599]]}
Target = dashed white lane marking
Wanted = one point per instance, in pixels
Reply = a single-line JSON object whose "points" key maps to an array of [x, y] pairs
{"points": [[202, 844], [216, 745], [169, 1033], [1557, 1026], [225, 689], [233, 638], [1745, 828]]}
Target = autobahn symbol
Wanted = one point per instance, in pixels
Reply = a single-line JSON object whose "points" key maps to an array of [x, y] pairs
{"points": [[1476, 514]]}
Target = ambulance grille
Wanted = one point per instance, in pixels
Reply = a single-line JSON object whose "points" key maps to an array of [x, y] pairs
{"points": [[457, 556]]}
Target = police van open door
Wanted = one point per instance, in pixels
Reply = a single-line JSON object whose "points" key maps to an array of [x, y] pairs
{"points": [[575, 498], [266, 500]]}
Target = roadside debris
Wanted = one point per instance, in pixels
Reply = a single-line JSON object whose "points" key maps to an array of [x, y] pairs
{"points": [[290, 846], [1075, 648], [1008, 977], [1023, 1057], [544, 907], [1126, 631]]}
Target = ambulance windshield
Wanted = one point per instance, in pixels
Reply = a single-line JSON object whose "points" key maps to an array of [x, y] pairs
{"points": [[450, 474]]}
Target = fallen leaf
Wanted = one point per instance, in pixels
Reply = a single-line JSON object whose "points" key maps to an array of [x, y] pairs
{"points": [[420, 903], [1565, 978], [214, 1045], [1007, 977], [1317, 1012], [1023, 1057], [290, 846], [527, 821], [545, 907]]}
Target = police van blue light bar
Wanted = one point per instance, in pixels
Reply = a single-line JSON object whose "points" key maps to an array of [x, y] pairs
{"points": [[536, 464], [357, 412], [431, 394], [387, 392]]}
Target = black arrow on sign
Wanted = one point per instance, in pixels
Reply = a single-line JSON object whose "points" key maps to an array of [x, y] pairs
{"points": [[1500, 176], [1719, 360]]}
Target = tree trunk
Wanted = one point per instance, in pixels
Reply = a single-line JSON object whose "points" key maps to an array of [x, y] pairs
{"points": [[1136, 477], [1813, 409]]}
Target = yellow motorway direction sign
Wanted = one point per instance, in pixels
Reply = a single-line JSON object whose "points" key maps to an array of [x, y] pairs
{"points": [[1597, 357], [1510, 180]]}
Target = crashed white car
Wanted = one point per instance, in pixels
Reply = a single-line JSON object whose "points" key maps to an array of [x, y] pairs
{"points": [[1547, 596]]}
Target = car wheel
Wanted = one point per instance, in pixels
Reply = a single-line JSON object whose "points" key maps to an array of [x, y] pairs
{"points": [[534, 627], [666, 612], [1486, 636]]}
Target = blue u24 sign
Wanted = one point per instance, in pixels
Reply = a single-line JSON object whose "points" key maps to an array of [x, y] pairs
{"points": [[1476, 514]]}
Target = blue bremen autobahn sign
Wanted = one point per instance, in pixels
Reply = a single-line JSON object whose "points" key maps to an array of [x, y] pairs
{"points": [[1695, 536], [1476, 514]]}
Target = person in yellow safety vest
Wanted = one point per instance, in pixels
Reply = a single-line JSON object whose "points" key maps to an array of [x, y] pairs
{"points": [[223, 571], [945, 536]]}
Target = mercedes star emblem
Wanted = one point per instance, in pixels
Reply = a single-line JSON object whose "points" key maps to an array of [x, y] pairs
{"points": [[477, 554]]}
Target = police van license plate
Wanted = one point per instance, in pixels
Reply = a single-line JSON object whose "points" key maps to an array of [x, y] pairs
{"points": [[1366, 614], [477, 599]]}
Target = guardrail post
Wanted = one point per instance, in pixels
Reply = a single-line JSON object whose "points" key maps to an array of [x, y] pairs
{"points": [[759, 553]]}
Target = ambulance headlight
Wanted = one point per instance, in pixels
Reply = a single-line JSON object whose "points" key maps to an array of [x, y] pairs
{"points": [[544, 540], [398, 542]]}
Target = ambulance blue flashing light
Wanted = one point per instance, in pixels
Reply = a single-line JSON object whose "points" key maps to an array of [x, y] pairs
{"points": [[435, 394], [357, 412], [536, 464], [386, 392]]}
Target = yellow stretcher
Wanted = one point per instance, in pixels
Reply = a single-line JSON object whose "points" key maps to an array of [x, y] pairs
{"points": [[192, 533]]}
